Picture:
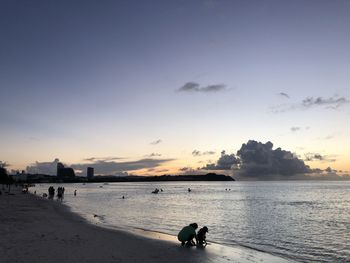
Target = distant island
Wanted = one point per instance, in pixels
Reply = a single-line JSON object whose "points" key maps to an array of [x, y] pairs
{"points": [[41, 178]]}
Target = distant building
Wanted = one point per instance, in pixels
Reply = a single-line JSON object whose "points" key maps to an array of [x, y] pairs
{"points": [[59, 167], [64, 172], [90, 172]]}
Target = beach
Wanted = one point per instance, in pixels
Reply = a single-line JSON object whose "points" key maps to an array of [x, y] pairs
{"points": [[34, 229]]}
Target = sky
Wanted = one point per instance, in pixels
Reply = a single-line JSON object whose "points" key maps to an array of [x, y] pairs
{"points": [[155, 87]]}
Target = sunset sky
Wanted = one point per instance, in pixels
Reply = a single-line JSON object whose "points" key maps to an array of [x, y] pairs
{"points": [[155, 87]]}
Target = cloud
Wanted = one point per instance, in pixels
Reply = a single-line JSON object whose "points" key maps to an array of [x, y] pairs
{"points": [[225, 162], [156, 142], [334, 102], [256, 160], [213, 88], [284, 95], [93, 159], [330, 170], [185, 169], [162, 170], [112, 167], [195, 87], [294, 129], [153, 155], [3, 164], [101, 167], [199, 153], [190, 86], [49, 168], [259, 160], [309, 157], [190, 171], [154, 170], [329, 137]]}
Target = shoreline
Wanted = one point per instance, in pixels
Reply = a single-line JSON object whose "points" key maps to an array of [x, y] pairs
{"points": [[33, 229]]}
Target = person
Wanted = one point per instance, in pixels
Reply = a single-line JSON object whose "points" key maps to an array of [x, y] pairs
{"points": [[201, 236], [75, 192], [156, 191], [187, 234], [51, 191]]}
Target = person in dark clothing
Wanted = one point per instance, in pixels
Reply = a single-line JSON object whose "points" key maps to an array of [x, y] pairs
{"points": [[201, 236], [187, 234]]}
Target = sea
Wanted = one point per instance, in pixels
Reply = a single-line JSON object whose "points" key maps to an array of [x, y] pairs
{"points": [[305, 221]]}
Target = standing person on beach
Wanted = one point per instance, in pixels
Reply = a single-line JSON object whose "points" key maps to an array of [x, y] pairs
{"points": [[187, 234]]}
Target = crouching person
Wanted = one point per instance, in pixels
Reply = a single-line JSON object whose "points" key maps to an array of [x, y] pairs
{"points": [[201, 236], [187, 234]]}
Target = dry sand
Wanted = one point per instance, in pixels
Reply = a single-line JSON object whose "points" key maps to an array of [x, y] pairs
{"points": [[33, 229]]}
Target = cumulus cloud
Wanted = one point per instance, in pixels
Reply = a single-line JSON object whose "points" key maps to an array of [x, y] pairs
{"points": [[225, 162], [284, 95], [49, 168], [259, 160], [113, 168], [256, 160], [195, 87], [199, 153], [309, 157], [156, 142]]}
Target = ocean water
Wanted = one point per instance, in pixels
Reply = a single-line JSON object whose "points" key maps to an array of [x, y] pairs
{"points": [[307, 221]]}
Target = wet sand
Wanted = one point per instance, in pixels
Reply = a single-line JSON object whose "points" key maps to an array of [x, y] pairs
{"points": [[33, 229]]}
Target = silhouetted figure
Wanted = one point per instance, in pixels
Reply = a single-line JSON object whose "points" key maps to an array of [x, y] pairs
{"points": [[201, 236], [51, 192], [25, 189], [189, 190], [75, 192], [60, 192], [156, 191], [187, 234], [123, 197]]}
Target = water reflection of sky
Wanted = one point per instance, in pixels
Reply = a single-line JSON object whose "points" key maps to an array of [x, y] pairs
{"points": [[304, 220]]}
